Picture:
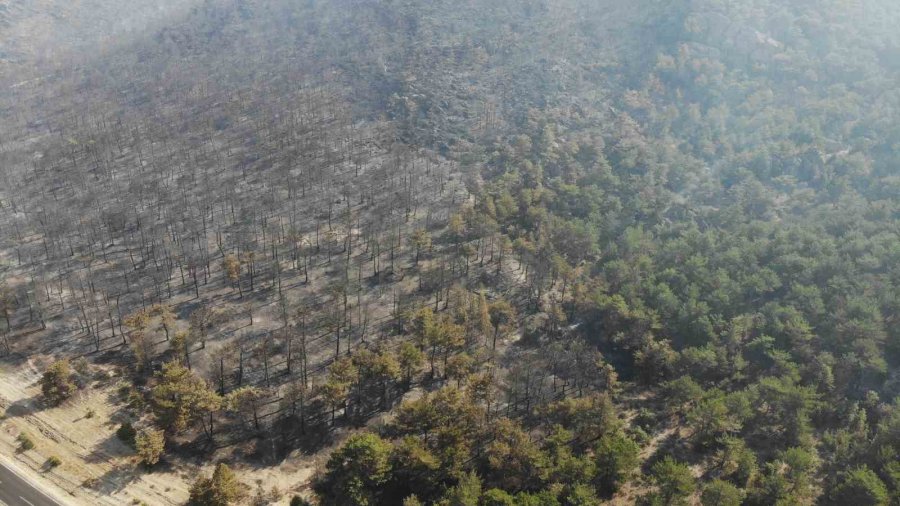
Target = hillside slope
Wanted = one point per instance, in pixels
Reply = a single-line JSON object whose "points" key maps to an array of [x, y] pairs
{"points": [[47, 32], [462, 252]]}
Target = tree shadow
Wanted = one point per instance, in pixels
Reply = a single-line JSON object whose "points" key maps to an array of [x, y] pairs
{"points": [[287, 437], [49, 465], [116, 479], [272, 446], [108, 449], [24, 407], [675, 446], [183, 311], [14, 359]]}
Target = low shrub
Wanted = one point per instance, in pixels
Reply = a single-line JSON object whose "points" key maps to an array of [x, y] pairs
{"points": [[25, 442]]}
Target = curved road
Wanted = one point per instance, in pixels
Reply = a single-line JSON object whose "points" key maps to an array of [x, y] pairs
{"points": [[15, 491]]}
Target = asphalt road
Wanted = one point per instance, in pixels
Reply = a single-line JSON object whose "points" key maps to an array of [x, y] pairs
{"points": [[15, 491]]}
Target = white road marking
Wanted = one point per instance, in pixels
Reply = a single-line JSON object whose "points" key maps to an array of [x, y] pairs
{"points": [[26, 501]]}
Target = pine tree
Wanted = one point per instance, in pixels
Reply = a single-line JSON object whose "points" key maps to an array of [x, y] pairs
{"points": [[181, 398], [150, 445], [222, 489], [56, 383]]}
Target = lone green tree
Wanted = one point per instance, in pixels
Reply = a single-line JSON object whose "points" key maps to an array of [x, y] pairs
{"points": [[674, 482], [617, 457], [357, 472], [411, 360], [721, 493], [181, 398], [222, 489], [502, 315], [57, 384], [150, 445]]}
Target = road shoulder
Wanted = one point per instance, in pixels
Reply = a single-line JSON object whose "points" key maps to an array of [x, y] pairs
{"points": [[42, 486]]}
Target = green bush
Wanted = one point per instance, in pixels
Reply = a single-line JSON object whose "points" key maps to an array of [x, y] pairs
{"points": [[81, 366], [126, 433], [135, 400], [57, 383], [54, 462], [25, 442]]}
